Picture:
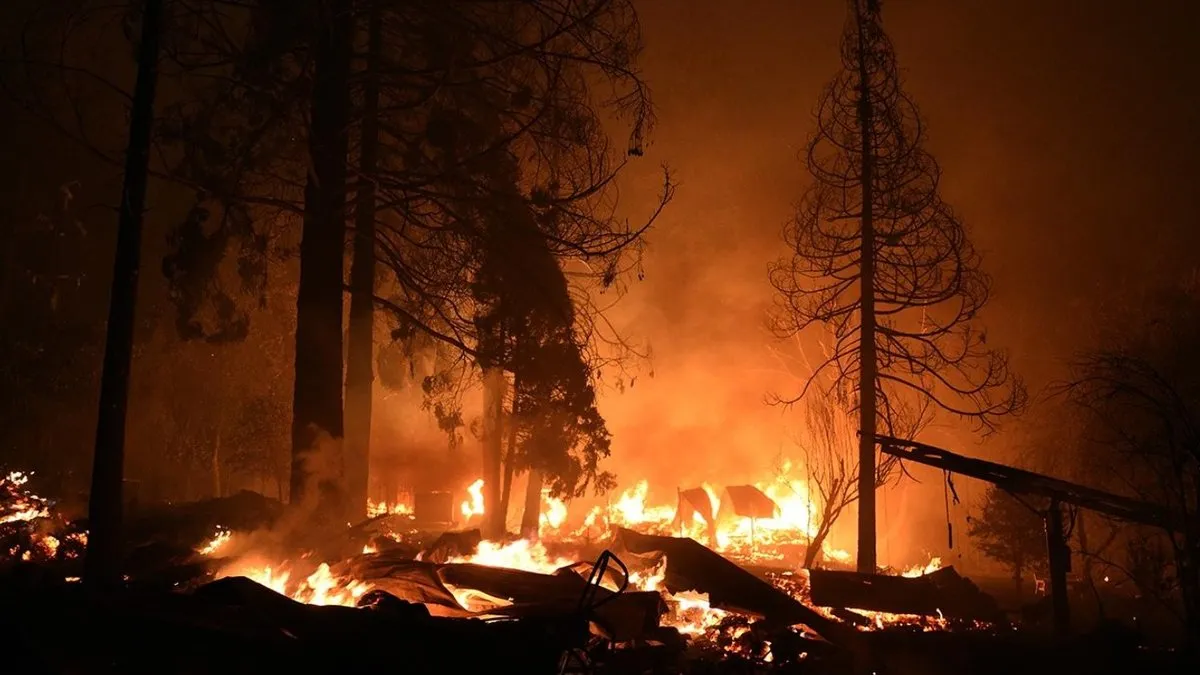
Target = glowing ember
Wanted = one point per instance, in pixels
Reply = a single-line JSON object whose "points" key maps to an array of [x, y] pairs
{"points": [[19, 504], [691, 613]]}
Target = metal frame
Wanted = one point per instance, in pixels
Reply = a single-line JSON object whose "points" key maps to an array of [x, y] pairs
{"points": [[1021, 482]]}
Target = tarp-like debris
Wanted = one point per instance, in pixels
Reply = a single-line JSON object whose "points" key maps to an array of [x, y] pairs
{"points": [[628, 616], [692, 502], [747, 501]]}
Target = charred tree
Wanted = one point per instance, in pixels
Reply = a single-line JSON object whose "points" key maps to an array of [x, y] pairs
{"points": [[103, 560], [884, 265], [494, 384], [510, 455], [317, 424], [360, 357], [532, 513]]}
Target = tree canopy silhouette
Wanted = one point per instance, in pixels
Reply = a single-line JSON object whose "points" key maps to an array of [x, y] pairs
{"points": [[1011, 532]]}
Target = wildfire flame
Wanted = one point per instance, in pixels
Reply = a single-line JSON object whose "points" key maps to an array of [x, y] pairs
{"points": [[219, 540], [519, 555], [689, 612], [933, 565], [474, 506], [321, 587], [386, 508], [554, 514]]}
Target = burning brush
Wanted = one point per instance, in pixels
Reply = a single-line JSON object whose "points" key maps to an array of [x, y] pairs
{"points": [[30, 530]]}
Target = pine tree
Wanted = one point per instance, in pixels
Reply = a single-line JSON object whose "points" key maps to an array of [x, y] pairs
{"points": [[1010, 532], [881, 262]]}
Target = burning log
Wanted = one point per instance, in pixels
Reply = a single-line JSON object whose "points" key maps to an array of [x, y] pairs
{"points": [[943, 592]]}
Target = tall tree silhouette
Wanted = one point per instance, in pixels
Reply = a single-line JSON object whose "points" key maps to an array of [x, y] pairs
{"points": [[360, 355], [317, 402], [102, 563], [1011, 532], [879, 261], [1139, 392]]}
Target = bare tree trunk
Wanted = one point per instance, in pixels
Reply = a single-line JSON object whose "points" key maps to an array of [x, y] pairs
{"points": [[508, 471], [813, 553], [511, 454], [494, 384], [317, 423], [531, 516], [867, 365], [360, 370], [102, 564], [9, 270]]}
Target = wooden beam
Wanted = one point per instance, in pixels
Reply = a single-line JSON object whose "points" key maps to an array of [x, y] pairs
{"points": [[1020, 481]]}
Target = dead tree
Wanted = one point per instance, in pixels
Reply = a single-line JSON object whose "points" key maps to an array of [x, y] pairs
{"points": [[317, 424], [832, 465], [103, 560], [360, 356], [885, 266], [1142, 426]]}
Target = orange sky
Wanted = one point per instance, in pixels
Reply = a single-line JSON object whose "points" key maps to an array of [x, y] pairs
{"points": [[1063, 132]]}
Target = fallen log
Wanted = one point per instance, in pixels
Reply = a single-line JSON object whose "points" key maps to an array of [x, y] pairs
{"points": [[693, 567], [943, 592]]}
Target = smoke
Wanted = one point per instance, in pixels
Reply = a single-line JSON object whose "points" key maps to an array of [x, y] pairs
{"points": [[302, 522], [1068, 211]]}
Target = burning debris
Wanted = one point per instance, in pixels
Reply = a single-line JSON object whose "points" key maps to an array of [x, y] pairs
{"points": [[628, 599], [30, 531]]}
